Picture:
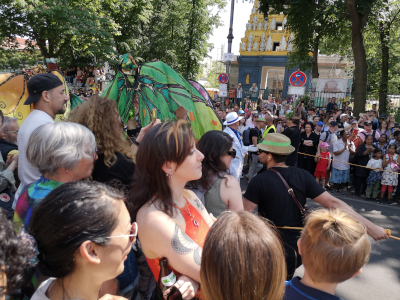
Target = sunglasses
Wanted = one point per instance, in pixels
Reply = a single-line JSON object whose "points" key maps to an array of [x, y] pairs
{"points": [[260, 151], [232, 153], [134, 231]]}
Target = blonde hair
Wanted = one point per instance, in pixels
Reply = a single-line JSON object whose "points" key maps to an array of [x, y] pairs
{"points": [[98, 115], [334, 246], [242, 259]]}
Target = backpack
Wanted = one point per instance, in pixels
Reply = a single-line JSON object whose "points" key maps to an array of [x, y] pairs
{"points": [[373, 136], [327, 135], [246, 137]]}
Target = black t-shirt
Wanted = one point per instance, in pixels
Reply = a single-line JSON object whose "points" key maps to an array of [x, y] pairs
{"points": [[274, 202], [254, 132], [293, 133], [122, 170]]}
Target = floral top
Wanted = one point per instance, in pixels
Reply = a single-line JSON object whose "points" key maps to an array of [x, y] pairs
{"points": [[383, 148]]}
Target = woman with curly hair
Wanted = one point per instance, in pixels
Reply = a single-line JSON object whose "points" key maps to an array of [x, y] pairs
{"points": [[221, 190], [14, 257], [116, 155]]}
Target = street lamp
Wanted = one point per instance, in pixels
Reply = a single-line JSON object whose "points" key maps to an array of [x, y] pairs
{"points": [[230, 35]]}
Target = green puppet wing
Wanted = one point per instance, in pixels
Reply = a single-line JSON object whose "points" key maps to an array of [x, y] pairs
{"points": [[160, 87]]}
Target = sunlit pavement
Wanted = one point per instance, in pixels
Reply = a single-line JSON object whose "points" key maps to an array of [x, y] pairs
{"points": [[380, 278]]}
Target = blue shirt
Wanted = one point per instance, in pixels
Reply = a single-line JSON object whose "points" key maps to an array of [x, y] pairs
{"points": [[295, 290]]}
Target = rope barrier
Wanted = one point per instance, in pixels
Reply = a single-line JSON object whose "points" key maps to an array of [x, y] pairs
{"points": [[346, 163], [388, 231]]}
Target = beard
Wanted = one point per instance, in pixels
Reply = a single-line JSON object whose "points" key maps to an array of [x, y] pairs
{"points": [[62, 110]]}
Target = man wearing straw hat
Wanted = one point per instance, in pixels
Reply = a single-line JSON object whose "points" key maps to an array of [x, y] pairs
{"points": [[268, 191]]}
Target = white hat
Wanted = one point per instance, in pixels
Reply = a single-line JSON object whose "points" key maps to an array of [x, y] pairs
{"points": [[342, 115], [232, 118]]}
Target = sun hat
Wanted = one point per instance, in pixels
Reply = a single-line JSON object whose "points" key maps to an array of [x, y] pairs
{"points": [[276, 143], [320, 123], [324, 145], [232, 118]]}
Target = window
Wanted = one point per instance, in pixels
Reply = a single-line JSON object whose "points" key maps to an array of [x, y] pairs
{"points": [[276, 47], [279, 26]]}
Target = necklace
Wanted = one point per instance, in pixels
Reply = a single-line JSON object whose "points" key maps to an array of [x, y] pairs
{"points": [[186, 210]]}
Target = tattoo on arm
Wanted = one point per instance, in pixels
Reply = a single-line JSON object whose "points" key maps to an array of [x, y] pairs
{"points": [[199, 204], [183, 244]]}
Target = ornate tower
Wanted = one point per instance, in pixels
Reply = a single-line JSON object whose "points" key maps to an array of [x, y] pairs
{"points": [[263, 53]]}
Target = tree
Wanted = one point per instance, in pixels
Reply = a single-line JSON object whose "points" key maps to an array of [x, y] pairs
{"points": [[177, 33], [13, 58], [55, 27], [359, 12], [310, 21]]}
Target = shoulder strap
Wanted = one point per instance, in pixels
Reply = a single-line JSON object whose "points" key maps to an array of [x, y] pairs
{"points": [[327, 135], [303, 211]]}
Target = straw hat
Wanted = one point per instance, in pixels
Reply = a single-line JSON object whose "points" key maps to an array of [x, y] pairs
{"points": [[276, 143]]}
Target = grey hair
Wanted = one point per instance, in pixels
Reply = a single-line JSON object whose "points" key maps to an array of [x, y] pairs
{"points": [[59, 145], [8, 120]]}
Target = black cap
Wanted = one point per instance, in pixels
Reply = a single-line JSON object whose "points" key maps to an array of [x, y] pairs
{"points": [[383, 116], [333, 124], [367, 122], [40, 83]]}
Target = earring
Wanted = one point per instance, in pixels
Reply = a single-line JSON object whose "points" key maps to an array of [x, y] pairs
{"points": [[66, 171], [169, 175], [269, 157]]}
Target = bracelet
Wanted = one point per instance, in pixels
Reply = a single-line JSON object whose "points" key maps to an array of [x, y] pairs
{"points": [[136, 142]]}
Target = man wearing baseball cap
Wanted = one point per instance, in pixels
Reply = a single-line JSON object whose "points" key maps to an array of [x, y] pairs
{"points": [[48, 98], [232, 125], [269, 192]]}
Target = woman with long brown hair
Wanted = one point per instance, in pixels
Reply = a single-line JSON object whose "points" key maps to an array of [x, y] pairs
{"points": [[242, 259], [173, 222]]}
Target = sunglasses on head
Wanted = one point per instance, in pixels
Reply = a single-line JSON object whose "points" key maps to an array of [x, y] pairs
{"points": [[232, 153], [132, 235]]}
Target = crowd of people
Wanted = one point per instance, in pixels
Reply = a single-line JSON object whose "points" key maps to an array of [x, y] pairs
{"points": [[85, 76], [344, 153], [97, 209]]}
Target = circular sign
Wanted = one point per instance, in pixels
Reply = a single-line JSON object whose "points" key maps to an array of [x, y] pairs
{"points": [[223, 78], [298, 78]]}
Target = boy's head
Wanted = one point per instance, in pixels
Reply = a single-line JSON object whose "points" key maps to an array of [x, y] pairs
{"points": [[333, 246], [324, 146]]}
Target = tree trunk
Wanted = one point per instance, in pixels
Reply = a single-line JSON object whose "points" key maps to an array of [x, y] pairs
{"points": [[190, 44], [315, 73], [383, 87], [358, 21]]}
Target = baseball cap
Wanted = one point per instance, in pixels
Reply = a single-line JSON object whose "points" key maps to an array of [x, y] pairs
{"points": [[367, 123], [40, 83], [343, 115], [240, 111], [352, 122], [324, 145], [320, 123], [333, 124]]}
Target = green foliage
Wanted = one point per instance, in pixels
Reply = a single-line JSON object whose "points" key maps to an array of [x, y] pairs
{"points": [[212, 74], [12, 58], [87, 31]]}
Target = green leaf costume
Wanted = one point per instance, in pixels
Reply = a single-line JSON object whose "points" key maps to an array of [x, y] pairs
{"points": [[159, 86]]}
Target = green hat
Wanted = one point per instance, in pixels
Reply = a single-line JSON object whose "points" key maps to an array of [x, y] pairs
{"points": [[276, 143], [261, 120]]}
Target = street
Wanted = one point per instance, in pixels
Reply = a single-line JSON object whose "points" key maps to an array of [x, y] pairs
{"points": [[380, 278]]}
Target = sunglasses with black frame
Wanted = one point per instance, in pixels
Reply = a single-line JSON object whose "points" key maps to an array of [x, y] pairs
{"points": [[232, 153], [260, 151]]}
